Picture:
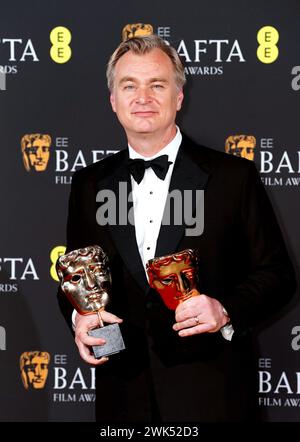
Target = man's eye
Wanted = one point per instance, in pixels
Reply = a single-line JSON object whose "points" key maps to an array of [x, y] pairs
{"points": [[129, 87], [76, 278], [167, 281], [157, 86]]}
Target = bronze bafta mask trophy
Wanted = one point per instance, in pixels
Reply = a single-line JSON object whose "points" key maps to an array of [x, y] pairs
{"points": [[86, 281], [174, 277]]}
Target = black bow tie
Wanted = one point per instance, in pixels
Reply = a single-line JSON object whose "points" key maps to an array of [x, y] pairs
{"points": [[160, 166]]}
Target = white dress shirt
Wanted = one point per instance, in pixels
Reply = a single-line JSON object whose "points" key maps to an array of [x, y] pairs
{"points": [[149, 199]]}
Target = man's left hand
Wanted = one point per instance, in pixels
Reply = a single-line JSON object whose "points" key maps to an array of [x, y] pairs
{"points": [[199, 314]]}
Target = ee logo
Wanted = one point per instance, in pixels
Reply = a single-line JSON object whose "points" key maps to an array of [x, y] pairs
{"points": [[56, 252], [60, 38], [267, 51]]}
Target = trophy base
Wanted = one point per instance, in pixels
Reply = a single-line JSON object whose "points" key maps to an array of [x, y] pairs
{"points": [[114, 340]]}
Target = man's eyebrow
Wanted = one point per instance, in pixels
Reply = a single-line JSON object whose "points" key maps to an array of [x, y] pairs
{"points": [[124, 79], [160, 79], [151, 80]]}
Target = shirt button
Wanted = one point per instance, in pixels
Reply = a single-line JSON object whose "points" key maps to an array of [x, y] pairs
{"points": [[148, 305], [151, 193], [151, 220], [148, 248]]}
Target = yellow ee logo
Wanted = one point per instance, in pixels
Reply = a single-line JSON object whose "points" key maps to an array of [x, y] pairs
{"points": [[267, 51], [60, 38], [56, 252]]}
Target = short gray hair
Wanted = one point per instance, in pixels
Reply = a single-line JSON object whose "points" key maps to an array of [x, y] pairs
{"points": [[143, 45]]}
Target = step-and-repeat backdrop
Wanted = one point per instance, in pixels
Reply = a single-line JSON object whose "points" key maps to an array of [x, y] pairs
{"points": [[243, 93]]}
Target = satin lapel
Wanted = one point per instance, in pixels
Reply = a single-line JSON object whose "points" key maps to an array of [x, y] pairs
{"points": [[123, 233], [188, 174]]}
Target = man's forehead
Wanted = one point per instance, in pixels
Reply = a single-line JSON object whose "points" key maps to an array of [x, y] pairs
{"points": [[155, 60]]}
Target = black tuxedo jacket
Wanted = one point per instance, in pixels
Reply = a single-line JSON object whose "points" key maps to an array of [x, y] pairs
{"points": [[242, 262]]}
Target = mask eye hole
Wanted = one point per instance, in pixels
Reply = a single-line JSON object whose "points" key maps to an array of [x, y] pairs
{"points": [[76, 278], [167, 281]]}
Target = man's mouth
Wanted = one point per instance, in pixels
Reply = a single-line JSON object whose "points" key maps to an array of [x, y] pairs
{"points": [[144, 113]]}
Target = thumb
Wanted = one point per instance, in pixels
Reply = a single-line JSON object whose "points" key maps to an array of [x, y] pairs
{"points": [[110, 317]]}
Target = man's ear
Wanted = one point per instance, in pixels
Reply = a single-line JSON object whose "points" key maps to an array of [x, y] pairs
{"points": [[112, 102], [180, 97]]}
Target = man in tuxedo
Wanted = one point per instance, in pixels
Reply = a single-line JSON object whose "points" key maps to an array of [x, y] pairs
{"points": [[194, 364]]}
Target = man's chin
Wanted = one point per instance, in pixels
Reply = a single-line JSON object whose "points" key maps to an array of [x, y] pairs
{"points": [[145, 126]]}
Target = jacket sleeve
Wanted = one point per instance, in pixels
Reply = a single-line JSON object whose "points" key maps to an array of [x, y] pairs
{"points": [[270, 282], [77, 231]]}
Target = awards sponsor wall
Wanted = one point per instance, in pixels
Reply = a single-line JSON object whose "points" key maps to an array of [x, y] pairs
{"points": [[242, 96]]}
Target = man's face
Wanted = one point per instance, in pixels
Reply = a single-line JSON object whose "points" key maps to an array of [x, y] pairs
{"points": [[175, 281], [36, 370], [38, 154], [145, 96], [86, 283]]}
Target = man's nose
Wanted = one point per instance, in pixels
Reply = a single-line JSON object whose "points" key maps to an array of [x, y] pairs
{"points": [[143, 96]]}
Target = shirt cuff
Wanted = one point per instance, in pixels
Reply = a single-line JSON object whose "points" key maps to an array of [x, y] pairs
{"points": [[73, 319], [227, 332]]}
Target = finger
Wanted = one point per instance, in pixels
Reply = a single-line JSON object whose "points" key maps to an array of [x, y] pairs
{"points": [[191, 322], [89, 340], [86, 355], [110, 317], [201, 328], [86, 322], [183, 315], [190, 308]]}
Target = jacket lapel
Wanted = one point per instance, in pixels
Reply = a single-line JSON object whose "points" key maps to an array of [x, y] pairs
{"points": [[122, 232], [189, 174]]}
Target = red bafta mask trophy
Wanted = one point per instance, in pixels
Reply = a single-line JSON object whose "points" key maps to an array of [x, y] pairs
{"points": [[174, 277], [86, 281]]}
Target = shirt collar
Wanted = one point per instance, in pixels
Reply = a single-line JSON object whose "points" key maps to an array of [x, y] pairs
{"points": [[170, 149]]}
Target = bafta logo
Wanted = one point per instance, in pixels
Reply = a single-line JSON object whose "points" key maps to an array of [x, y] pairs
{"points": [[34, 369], [241, 146], [136, 30], [36, 151]]}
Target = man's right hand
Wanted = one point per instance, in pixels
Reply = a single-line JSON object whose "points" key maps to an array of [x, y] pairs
{"points": [[83, 341]]}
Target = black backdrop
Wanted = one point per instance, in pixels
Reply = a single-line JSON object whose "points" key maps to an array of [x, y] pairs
{"points": [[231, 90]]}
